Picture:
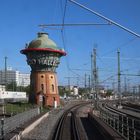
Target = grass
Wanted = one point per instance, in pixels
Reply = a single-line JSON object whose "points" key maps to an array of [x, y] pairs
{"points": [[15, 108]]}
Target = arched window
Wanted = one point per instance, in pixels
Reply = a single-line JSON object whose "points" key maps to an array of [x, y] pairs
{"points": [[52, 88], [42, 87]]}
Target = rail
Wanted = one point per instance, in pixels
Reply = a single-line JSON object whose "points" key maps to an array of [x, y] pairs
{"points": [[131, 107], [126, 125], [75, 133]]}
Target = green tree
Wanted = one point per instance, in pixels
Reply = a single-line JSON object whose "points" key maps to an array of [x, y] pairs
{"points": [[11, 86], [62, 90], [109, 92], [82, 91]]}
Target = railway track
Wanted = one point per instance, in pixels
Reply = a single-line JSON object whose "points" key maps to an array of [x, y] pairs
{"points": [[126, 123], [73, 127], [132, 107], [67, 127]]}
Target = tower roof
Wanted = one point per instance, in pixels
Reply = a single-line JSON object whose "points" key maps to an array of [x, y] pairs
{"points": [[43, 43]]}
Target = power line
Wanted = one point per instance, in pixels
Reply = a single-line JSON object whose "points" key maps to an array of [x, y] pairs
{"points": [[107, 19], [63, 20], [110, 77], [72, 24], [120, 46], [131, 74]]}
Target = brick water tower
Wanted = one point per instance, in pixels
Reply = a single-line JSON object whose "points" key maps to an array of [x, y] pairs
{"points": [[43, 56]]}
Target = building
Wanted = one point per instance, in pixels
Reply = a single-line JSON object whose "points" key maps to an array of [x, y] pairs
{"points": [[10, 76], [43, 56], [24, 79], [2, 88], [12, 96], [75, 90]]}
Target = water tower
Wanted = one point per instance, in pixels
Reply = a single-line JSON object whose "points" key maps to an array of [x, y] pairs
{"points": [[43, 56]]}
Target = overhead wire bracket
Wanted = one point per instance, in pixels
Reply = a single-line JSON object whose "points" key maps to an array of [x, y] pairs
{"points": [[105, 18]]}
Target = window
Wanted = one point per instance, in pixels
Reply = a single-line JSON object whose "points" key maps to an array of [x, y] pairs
{"points": [[52, 88], [42, 87]]}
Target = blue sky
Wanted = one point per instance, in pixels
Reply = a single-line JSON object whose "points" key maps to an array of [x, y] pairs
{"points": [[19, 25]]}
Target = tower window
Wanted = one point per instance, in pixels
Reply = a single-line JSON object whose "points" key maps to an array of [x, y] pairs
{"points": [[42, 87], [52, 88], [42, 76]]}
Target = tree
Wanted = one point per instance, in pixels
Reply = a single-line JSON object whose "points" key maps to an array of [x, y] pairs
{"points": [[109, 92], [82, 91], [11, 86], [62, 90]]}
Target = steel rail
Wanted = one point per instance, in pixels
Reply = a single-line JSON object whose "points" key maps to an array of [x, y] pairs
{"points": [[121, 112], [125, 124], [60, 126], [131, 108]]}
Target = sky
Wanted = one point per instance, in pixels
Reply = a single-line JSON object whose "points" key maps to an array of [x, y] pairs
{"points": [[19, 25]]}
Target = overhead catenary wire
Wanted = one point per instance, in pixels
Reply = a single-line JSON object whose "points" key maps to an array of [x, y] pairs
{"points": [[72, 24], [105, 18], [110, 77], [62, 31], [63, 39], [120, 46]]}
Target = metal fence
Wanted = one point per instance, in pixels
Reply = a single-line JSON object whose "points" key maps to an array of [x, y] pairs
{"points": [[9, 124], [127, 126]]}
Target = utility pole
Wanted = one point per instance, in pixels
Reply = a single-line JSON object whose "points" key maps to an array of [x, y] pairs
{"points": [[68, 83], [95, 71], [85, 80], [113, 85], [89, 83], [95, 77], [134, 92], [5, 61], [92, 84], [119, 79], [125, 86], [86, 85], [97, 83]]}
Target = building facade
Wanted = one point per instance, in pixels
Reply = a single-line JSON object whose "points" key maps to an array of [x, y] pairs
{"points": [[24, 79], [9, 76]]}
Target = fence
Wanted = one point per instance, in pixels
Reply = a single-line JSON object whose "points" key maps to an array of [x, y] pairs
{"points": [[126, 125], [9, 124]]}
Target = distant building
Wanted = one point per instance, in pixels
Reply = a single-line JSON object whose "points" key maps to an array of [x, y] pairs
{"points": [[21, 79], [24, 79], [2, 88], [75, 90], [11, 95]]}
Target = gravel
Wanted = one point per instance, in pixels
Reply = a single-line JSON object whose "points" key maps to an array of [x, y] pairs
{"points": [[45, 129]]}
